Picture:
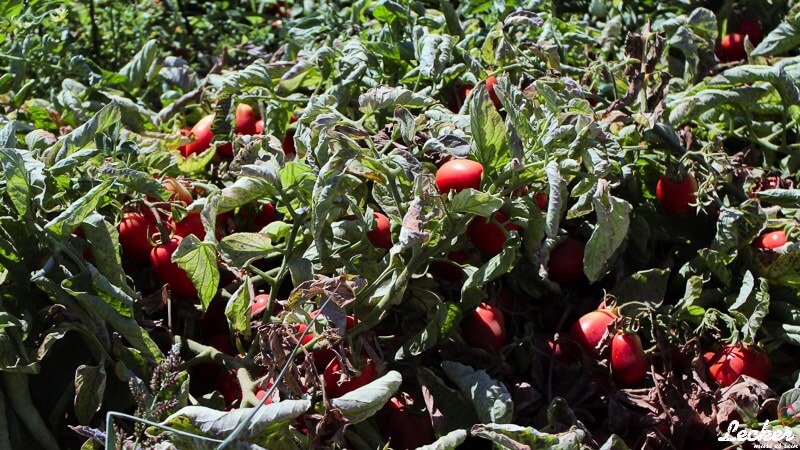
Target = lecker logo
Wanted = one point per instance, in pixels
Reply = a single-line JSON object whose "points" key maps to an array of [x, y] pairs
{"points": [[787, 415]]}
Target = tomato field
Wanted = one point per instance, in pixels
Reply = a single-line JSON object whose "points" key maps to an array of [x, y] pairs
{"points": [[369, 224]]}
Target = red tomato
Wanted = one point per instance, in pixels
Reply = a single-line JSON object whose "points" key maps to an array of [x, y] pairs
{"points": [[541, 200], [406, 428], [288, 140], [168, 272], [732, 361], [490, 82], [191, 224], [260, 303], [260, 126], [447, 270], [732, 48], [676, 196], [487, 236], [566, 262], [323, 356], [771, 240], [628, 360], [245, 119], [752, 29], [588, 331], [459, 174], [381, 235], [485, 328], [228, 385], [265, 217], [202, 136], [134, 236], [334, 370], [288, 143]]}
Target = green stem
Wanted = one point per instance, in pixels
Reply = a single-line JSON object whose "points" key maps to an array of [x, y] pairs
{"points": [[16, 386]]}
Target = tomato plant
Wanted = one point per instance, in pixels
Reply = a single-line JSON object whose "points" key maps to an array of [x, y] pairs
{"points": [[366, 168]]}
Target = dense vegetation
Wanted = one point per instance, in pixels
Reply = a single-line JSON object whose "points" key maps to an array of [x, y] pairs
{"points": [[481, 224]]}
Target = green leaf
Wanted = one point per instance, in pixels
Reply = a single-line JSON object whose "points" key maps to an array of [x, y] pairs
{"points": [[449, 441], [445, 316], [450, 410], [613, 220], [490, 398], [107, 117], [360, 404], [242, 247], [647, 286], [489, 133], [269, 425], [237, 310], [384, 97], [786, 198], [516, 436], [16, 180], [783, 38], [137, 69], [90, 386], [136, 336], [66, 222], [199, 260], [472, 202]]}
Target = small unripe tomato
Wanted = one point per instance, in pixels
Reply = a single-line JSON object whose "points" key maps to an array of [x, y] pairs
{"points": [[628, 360], [485, 328], [168, 272], [179, 191], [333, 372], [459, 174]]}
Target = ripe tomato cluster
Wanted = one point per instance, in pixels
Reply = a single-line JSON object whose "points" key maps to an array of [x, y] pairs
{"points": [[246, 123]]}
